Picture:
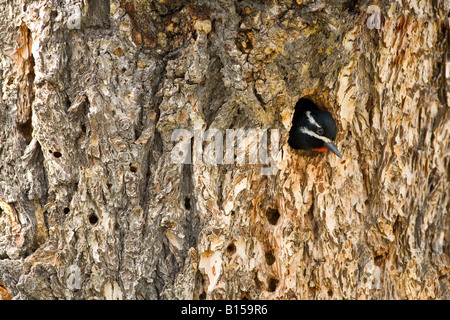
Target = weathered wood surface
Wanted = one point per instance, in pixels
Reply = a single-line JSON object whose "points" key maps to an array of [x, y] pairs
{"points": [[93, 207]]}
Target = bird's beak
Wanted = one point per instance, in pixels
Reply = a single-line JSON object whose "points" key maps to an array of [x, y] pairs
{"points": [[332, 147]]}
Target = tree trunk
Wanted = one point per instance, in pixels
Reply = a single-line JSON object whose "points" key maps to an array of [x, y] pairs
{"points": [[95, 205]]}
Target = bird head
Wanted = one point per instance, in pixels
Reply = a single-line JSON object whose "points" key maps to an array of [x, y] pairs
{"points": [[312, 128]]}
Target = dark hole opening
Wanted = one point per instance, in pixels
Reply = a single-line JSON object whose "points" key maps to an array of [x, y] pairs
{"points": [[273, 283], [187, 203], [93, 219], [273, 215], [270, 258], [231, 249], [133, 168], [57, 154], [202, 296], [66, 210]]}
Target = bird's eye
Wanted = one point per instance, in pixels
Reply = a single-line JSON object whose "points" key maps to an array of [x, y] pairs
{"points": [[320, 131]]}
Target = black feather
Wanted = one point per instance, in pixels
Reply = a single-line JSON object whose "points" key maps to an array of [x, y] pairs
{"points": [[300, 140]]}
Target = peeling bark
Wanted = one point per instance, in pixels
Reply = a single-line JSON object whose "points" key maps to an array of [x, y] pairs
{"points": [[92, 205]]}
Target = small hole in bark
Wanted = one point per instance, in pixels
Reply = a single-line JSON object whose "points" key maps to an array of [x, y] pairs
{"points": [[66, 210], [187, 203], [231, 249], [272, 284], [273, 215], [270, 258], [202, 296], [93, 219], [57, 154], [133, 168], [330, 293]]}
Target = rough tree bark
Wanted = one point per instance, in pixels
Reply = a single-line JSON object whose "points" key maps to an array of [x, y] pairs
{"points": [[93, 207]]}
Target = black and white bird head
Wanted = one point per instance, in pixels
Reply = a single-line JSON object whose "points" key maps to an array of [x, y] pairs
{"points": [[312, 128]]}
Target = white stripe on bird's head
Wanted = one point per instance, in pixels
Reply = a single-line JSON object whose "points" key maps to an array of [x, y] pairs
{"points": [[311, 119], [315, 135]]}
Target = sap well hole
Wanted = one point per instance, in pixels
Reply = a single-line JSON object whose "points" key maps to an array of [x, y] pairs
{"points": [[272, 216], [93, 219]]}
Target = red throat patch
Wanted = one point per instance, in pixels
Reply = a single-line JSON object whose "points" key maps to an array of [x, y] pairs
{"points": [[323, 149]]}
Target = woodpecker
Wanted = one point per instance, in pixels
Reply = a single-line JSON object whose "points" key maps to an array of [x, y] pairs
{"points": [[312, 128]]}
